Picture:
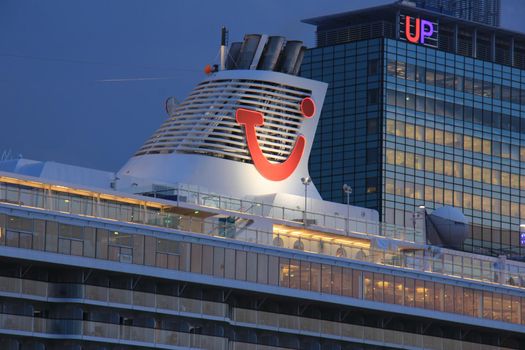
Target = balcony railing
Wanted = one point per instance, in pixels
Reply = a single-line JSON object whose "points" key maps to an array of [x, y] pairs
{"points": [[387, 252]]}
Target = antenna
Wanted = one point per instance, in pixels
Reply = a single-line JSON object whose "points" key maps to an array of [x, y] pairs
{"points": [[224, 44]]}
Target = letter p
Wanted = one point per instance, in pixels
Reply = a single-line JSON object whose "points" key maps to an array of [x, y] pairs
{"points": [[427, 29]]}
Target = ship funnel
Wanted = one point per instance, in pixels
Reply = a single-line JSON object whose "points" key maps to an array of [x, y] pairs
{"points": [[224, 46], [248, 49], [290, 56], [263, 52], [271, 53], [299, 61], [233, 55]]}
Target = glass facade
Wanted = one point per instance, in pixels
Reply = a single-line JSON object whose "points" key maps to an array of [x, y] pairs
{"points": [[446, 130], [482, 11], [288, 270], [347, 145]]}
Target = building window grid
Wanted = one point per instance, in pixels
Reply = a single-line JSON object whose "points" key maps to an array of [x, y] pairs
{"points": [[502, 140]]}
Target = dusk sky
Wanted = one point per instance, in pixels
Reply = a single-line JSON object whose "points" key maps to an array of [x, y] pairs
{"points": [[56, 58]]}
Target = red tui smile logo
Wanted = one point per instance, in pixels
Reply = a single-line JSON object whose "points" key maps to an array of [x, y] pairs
{"points": [[272, 171]]}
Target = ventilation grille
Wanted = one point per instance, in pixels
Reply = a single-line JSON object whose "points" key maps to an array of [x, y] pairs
{"points": [[205, 122], [365, 31]]}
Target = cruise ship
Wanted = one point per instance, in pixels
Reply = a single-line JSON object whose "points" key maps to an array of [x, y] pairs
{"points": [[212, 236]]}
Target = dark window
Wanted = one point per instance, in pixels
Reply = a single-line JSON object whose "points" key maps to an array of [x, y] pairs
{"points": [[469, 85], [496, 120], [373, 66], [371, 185], [371, 126], [411, 72], [373, 96], [458, 112], [449, 80], [371, 155], [411, 101], [420, 74], [478, 116], [515, 124], [391, 97], [440, 79], [391, 67]]}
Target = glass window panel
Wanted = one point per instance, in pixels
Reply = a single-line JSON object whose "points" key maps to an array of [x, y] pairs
{"points": [[438, 137], [400, 129], [449, 139], [448, 297], [420, 74], [391, 67], [496, 306], [440, 79], [420, 103], [378, 286], [429, 135], [337, 276], [409, 160], [468, 302], [390, 186], [284, 272], [438, 166], [326, 278], [400, 158], [401, 70], [419, 162], [439, 297], [487, 305], [409, 292], [420, 294], [305, 275], [448, 168], [399, 295], [315, 272], [240, 265], [467, 200], [347, 282], [476, 144], [419, 191], [420, 133], [467, 171], [430, 77], [196, 258], [410, 101], [487, 149], [251, 267], [458, 300], [409, 131], [390, 127], [388, 289], [367, 284], [295, 280], [410, 72]]}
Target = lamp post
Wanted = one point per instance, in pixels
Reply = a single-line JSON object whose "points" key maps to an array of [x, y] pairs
{"points": [[348, 191], [306, 181]]}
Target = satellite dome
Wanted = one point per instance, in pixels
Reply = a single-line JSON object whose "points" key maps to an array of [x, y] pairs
{"points": [[448, 227], [450, 213]]}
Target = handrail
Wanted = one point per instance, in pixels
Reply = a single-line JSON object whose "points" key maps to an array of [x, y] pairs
{"points": [[470, 266]]}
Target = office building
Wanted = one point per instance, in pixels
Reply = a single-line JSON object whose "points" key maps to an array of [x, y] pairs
{"points": [[426, 110]]}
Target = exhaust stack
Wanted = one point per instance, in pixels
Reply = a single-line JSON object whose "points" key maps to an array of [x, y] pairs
{"points": [[224, 47]]}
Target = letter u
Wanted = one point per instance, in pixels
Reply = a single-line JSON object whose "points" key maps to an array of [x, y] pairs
{"points": [[415, 38]]}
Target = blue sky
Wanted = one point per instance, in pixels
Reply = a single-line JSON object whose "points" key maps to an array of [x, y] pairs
{"points": [[56, 54]]}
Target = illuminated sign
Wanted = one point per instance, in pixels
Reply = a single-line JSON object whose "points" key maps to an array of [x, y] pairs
{"points": [[272, 171], [522, 239], [418, 31]]}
